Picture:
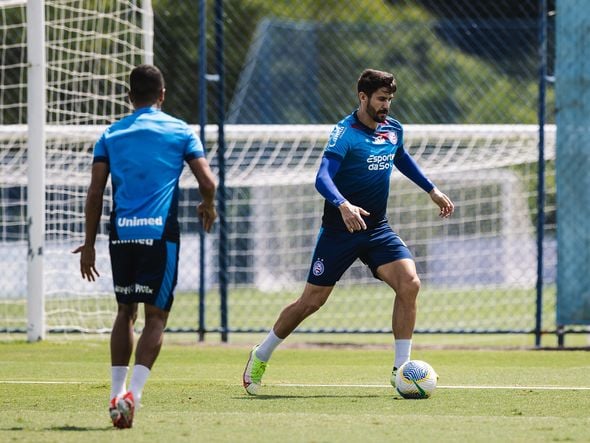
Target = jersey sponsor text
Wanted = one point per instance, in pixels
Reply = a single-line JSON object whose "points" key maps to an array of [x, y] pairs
{"points": [[124, 222], [380, 162], [134, 289], [139, 241]]}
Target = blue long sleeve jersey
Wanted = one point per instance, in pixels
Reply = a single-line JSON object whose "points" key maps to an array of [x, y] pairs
{"points": [[357, 167], [146, 152]]}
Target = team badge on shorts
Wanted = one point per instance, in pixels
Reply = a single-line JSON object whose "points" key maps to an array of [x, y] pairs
{"points": [[318, 267]]}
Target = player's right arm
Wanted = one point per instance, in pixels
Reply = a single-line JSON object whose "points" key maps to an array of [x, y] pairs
{"points": [[324, 183], [93, 212], [336, 149]]}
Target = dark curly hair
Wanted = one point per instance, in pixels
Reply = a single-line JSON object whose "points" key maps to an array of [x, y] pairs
{"points": [[371, 80]]}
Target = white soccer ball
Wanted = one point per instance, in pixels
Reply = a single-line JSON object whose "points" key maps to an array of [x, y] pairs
{"points": [[415, 379]]}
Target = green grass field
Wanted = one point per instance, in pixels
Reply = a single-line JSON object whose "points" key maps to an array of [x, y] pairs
{"points": [[250, 309], [57, 391]]}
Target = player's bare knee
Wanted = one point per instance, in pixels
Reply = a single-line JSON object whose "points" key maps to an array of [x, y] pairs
{"points": [[155, 316], [128, 312], [308, 307], [409, 288]]}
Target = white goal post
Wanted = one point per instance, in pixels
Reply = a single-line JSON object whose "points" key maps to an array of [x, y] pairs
{"points": [[36, 170]]}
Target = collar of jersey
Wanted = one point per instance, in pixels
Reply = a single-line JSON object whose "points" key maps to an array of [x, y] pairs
{"points": [[364, 127], [146, 109]]}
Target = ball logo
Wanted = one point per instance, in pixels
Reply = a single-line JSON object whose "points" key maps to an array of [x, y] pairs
{"points": [[318, 268]]}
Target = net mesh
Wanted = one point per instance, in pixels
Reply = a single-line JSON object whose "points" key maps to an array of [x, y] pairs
{"points": [[484, 255], [90, 49]]}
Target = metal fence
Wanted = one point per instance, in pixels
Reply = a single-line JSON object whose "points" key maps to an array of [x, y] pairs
{"points": [[296, 62], [458, 62], [474, 82]]}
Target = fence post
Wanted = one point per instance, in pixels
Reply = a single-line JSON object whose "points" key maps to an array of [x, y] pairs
{"points": [[202, 124], [541, 167], [223, 259]]}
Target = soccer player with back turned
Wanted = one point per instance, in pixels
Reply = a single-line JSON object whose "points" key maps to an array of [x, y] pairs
{"points": [[144, 153], [353, 177]]}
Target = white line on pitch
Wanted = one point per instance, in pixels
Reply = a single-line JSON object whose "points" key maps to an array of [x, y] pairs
{"points": [[312, 385], [531, 388], [540, 388], [39, 382]]}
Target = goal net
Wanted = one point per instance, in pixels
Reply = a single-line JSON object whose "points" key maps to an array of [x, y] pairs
{"points": [[90, 48], [478, 268]]}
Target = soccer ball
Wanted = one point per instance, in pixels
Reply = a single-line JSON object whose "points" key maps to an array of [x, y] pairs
{"points": [[415, 379]]}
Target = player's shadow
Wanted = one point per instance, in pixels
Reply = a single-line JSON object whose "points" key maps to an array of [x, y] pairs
{"points": [[69, 428], [62, 428]]}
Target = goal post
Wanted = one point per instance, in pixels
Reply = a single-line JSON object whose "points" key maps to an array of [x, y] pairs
{"points": [[147, 26], [36, 169]]}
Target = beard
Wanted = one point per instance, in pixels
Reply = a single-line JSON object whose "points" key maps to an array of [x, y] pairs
{"points": [[378, 116]]}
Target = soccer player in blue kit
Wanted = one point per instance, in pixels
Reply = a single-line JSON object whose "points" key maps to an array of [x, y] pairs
{"points": [[353, 177], [145, 154]]}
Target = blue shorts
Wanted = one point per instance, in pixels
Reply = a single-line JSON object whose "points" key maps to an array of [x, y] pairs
{"points": [[144, 271], [336, 251]]}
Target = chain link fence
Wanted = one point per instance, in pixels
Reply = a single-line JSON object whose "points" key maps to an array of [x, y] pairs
{"points": [[457, 64], [297, 62], [468, 96]]}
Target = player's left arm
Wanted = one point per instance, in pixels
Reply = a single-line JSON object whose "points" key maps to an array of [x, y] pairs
{"points": [[443, 201], [194, 155], [408, 166], [207, 188]]}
